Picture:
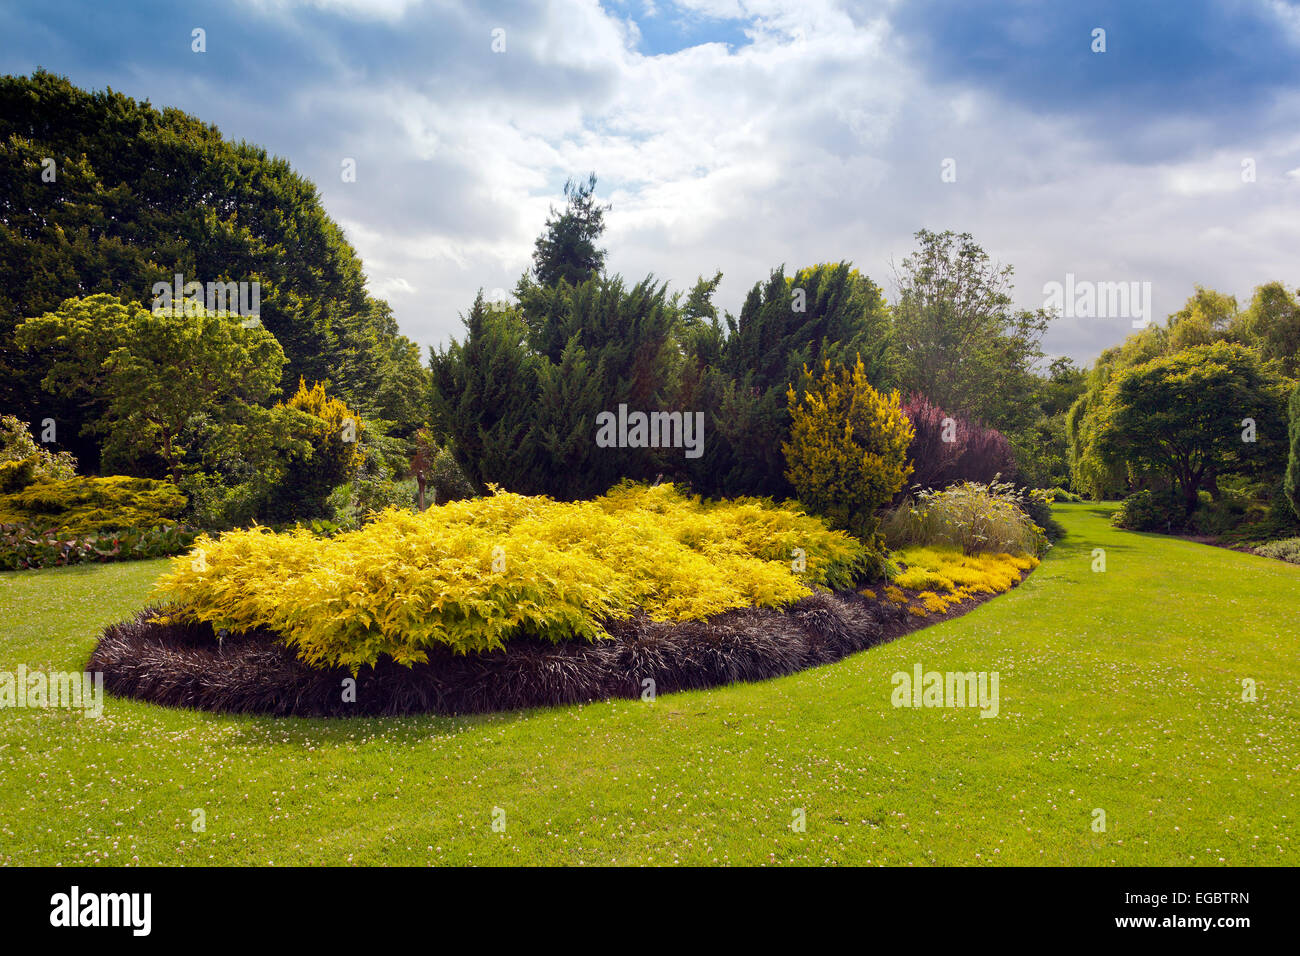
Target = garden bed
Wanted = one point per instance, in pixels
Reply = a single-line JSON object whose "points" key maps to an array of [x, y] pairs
{"points": [[184, 665]]}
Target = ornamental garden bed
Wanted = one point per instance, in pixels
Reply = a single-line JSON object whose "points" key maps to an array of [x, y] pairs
{"points": [[512, 601], [184, 665]]}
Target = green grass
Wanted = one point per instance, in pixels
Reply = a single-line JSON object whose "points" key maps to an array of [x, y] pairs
{"points": [[1119, 690]]}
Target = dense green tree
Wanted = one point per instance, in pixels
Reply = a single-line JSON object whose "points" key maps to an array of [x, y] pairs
{"points": [[520, 409], [960, 343], [484, 395], [1269, 326], [1042, 449], [566, 250], [1203, 320], [1183, 416], [1292, 480], [1272, 323], [101, 193], [148, 373], [827, 312]]}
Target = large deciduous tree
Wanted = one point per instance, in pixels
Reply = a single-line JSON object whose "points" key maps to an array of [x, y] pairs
{"points": [[960, 343], [1194, 415], [101, 193]]}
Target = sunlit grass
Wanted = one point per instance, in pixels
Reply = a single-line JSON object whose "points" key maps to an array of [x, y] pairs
{"points": [[1120, 690]]}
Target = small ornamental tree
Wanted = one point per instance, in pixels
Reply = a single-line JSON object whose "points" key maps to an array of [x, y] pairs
{"points": [[333, 433], [847, 453], [1196, 415], [147, 374], [947, 449]]}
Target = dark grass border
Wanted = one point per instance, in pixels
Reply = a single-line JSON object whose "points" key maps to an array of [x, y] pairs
{"points": [[183, 665]]}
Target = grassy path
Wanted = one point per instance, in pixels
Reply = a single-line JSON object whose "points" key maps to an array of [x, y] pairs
{"points": [[1119, 691]]}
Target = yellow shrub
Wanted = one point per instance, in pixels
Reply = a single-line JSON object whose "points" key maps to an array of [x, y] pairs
{"points": [[847, 453], [920, 578], [472, 574], [947, 576]]}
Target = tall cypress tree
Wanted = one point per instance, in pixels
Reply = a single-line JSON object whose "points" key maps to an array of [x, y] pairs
{"points": [[1292, 480], [566, 250]]}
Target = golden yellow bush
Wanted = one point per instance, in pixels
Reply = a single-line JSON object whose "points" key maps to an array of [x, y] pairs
{"points": [[473, 574], [945, 576], [847, 453]]}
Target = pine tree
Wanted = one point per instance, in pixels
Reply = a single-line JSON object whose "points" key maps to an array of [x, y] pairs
{"points": [[566, 250]]}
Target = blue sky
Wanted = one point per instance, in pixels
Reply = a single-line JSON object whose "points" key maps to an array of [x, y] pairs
{"points": [[743, 134]]}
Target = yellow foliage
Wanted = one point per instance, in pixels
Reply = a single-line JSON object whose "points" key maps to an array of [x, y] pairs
{"points": [[340, 428], [847, 453], [895, 594], [473, 574], [946, 577]]}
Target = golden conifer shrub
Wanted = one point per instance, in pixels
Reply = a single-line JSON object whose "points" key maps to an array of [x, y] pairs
{"points": [[847, 453], [335, 438], [473, 574]]}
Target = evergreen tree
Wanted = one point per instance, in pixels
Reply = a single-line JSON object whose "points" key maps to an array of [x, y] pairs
{"points": [[824, 312], [1292, 480], [484, 400], [566, 250]]}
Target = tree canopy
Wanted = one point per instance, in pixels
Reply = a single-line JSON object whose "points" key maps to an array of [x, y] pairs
{"points": [[1193, 416], [100, 193]]}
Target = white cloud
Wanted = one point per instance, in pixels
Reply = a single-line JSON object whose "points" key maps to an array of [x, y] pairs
{"points": [[819, 140]]}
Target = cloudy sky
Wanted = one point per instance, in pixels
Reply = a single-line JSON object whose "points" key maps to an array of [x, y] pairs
{"points": [[743, 134]]}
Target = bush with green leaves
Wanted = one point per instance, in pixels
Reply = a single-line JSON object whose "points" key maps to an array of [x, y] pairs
{"points": [[23, 462], [354, 503], [971, 516], [1287, 549], [216, 505], [1148, 510], [1230, 511]]}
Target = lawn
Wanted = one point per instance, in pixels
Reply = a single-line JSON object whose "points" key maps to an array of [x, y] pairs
{"points": [[1119, 691]]}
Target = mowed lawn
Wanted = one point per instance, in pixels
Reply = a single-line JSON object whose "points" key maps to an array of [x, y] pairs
{"points": [[1119, 691]]}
